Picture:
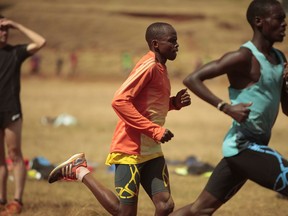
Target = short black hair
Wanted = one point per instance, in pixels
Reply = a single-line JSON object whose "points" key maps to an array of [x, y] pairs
{"points": [[155, 31], [259, 8]]}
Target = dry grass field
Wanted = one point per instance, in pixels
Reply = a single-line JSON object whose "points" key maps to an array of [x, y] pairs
{"points": [[100, 32]]}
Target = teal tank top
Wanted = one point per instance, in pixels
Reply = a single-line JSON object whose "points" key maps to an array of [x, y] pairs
{"points": [[265, 96]]}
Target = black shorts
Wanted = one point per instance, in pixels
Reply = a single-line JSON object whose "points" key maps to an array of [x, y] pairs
{"points": [[7, 117], [152, 175], [258, 163]]}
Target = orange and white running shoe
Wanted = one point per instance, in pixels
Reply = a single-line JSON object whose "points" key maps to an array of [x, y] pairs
{"points": [[67, 169], [12, 208]]}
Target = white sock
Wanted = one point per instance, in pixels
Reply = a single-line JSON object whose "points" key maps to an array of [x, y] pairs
{"points": [[81, 172]]}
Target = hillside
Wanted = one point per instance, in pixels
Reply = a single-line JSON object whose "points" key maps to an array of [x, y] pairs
{"points": [[102, 32]]}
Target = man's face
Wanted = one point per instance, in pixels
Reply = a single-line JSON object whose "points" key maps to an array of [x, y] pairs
{"points": [[167, 44], [274, 25]]}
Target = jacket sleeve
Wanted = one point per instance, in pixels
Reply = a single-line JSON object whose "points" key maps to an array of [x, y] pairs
{"points": [[122, 103]]}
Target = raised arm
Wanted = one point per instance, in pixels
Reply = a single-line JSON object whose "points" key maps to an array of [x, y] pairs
{"points": [[37, 41]]}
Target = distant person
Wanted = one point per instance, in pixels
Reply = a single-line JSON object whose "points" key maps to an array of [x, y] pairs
{"points": [[73, 63], [35, 61], [142, 103], [127, 62], [256, 90], [11, 58], [59, 65]]}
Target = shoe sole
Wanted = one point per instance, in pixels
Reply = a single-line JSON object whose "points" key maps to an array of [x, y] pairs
{"points": [[64, 164]]}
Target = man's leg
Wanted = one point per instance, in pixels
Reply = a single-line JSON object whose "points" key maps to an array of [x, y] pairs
{"points": [[75, 168], [265, 166], [206, 204], [3, 171], [107, 198], [126, 185], [223, 184], [155, 181], [164, 203], [13, 134]]}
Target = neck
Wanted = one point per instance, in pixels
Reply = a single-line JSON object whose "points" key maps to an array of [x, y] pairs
{"points": [[263, 46], [160, 59], [267, 50]]}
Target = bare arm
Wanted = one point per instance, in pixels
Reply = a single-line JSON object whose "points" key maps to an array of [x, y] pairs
{"points": [[229, 64], [37, 41]]}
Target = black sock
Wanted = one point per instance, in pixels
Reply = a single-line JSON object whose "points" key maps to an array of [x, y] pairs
{"points": [[3, 202]]}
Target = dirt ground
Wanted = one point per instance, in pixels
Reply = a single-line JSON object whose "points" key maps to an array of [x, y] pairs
{"points": [[198, 131], [102, 33]]}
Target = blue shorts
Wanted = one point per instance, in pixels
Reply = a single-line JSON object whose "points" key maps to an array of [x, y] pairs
{"points": [[258, 163], [152, 175]]}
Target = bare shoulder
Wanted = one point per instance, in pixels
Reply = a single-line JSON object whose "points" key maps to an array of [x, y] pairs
{"points": [[245, 53], [246, 70], [242, 55], [236, 59]]}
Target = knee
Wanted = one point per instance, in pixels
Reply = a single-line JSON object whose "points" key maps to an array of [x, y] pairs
{"points": [[201, 211], [15, 155], [165, 208]]}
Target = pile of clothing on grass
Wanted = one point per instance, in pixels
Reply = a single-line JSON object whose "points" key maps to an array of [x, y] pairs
{"points": [[192, 166]]}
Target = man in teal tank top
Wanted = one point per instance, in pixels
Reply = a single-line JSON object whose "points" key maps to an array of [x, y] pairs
{"points": [[265, 97], [257, 78]]}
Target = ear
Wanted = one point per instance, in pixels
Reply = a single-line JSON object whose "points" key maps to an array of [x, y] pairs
{"points": [[155, 44], [258, 21]]}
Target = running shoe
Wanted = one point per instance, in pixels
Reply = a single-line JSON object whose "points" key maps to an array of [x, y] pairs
{"points": [[2, 207], [67, 169], [12, 208]]}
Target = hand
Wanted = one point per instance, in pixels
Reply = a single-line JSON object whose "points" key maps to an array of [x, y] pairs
{"points": [[182, 99], [239, 112], [7, 23], [166, 136]]}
